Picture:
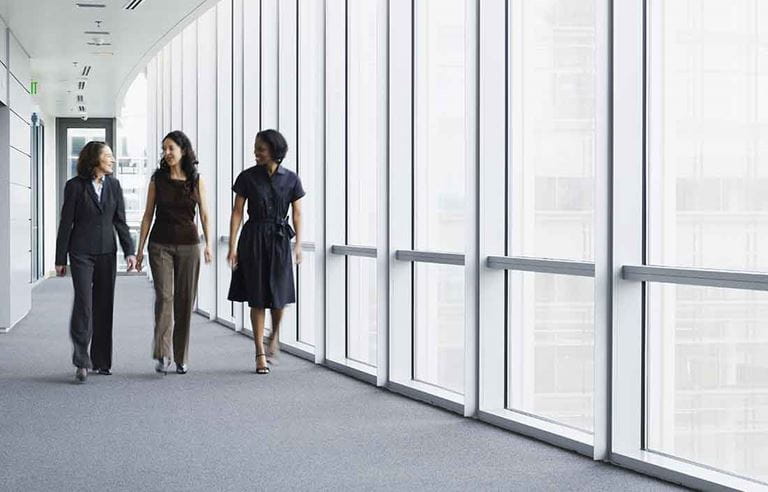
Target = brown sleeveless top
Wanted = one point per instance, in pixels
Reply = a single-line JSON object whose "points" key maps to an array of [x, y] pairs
{"points": [[175, 202]]}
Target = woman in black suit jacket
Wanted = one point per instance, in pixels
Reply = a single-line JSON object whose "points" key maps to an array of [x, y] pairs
{"points": [[93, 209]]}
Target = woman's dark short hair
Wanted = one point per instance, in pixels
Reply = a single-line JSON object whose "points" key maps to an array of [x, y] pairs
{"points": [[278, 147], [188, 156], [89, 158]]}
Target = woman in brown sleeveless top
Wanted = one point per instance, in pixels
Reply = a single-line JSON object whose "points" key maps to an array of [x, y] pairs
{"points": [[175, 191]]}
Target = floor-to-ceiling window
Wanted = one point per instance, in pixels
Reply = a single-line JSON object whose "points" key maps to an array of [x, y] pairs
{"points": [[364, 158], [309, 155], [707, 186], [550, 201], [224, 161], [481, 180], [207, 154], [133, 168], [439, 191]]}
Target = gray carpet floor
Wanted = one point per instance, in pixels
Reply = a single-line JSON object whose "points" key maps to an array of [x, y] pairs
{"points": [[222, 427]]}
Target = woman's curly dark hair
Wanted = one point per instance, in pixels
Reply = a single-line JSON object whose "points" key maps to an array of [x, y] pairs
{"points": [[188, 157], [278, 147], [89, 158]]}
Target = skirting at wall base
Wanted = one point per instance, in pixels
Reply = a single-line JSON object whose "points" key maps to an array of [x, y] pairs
{"points": [[8, 329]]}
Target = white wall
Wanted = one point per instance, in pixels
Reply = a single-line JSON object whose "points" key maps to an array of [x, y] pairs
{"points": [[15, 183]]}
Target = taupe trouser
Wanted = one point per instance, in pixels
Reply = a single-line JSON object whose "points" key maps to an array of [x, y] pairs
{"points": [[175, 270]]}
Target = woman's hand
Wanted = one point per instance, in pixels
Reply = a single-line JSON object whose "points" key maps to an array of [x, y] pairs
{"points": [[297, 254], [130, 263], [139, 261], [232, 258], [61, 270], [207, 254]]}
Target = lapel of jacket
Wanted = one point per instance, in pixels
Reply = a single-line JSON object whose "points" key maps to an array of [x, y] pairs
{"points": [[92, 192], [106, 189]]}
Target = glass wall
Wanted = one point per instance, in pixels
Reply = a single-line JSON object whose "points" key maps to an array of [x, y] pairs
{"points": [[708, 381], [309, 152], [438, 191], [133, 168], [364, 22], [551, 187], [544, 214]]}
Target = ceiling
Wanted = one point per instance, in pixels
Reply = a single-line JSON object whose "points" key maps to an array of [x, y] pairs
{"points": [[53, 34]]}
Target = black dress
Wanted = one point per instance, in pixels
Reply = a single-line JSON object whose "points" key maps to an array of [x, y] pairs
{"points": [[264, 274]]}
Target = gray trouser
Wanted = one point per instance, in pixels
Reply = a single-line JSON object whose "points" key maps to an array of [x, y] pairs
{"points": [[93, 277], [175, 270]]}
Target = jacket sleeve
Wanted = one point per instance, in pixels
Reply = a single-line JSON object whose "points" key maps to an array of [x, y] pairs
{"points": [[123, 232], [66, 222]]}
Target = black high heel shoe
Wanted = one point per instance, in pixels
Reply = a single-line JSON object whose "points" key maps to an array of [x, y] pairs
{"points": [[261, 370]]}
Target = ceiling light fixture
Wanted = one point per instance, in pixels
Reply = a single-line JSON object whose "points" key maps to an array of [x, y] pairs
{"points": [[91, 5], [132, 4], [86, 70], [97, 33]]}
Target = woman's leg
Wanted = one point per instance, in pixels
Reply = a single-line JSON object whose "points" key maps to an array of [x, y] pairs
{"points": [[161, 264], [80, 327], [274, 343], [105, 270], [257, 321], [186, 264]]}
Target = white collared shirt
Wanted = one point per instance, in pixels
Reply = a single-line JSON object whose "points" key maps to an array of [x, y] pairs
{"points": [[98, 184]]}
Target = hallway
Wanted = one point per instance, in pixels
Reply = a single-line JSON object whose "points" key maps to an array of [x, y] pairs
{"points": [[221, 427]]}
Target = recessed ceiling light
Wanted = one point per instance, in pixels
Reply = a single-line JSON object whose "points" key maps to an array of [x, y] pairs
{"points": [[98, 43], [97, 33], [90, 5]]}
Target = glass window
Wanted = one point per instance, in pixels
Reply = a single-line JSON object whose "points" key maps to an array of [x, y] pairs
{"points": [[707, 392], [76, 140], [438, 341], [310, 150], [552, 119], [439, 124], [133, 169], [223, 163], [361, 310], [708, 377], [552, 128], [364, 156], [206, 139], [438, 198], [707, 186], [551, 342]]}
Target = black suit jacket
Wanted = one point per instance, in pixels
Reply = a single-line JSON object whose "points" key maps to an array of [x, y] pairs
{"points": [[88, 224]]}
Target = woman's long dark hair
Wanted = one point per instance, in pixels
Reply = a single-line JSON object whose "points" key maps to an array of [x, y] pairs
{"points": [[188, 157], [89, 158]]}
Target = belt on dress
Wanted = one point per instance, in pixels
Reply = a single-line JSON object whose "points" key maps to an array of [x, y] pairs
{"points": [[283, 229]]}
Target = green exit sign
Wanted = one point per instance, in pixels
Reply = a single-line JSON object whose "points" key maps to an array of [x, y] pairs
{"points": [[33, 87]]}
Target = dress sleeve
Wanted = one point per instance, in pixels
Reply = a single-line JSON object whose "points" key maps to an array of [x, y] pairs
{"points": [[240, 187], [298, 190]]}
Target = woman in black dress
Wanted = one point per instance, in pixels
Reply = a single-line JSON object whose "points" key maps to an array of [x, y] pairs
{"points": [[262, 272]]}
